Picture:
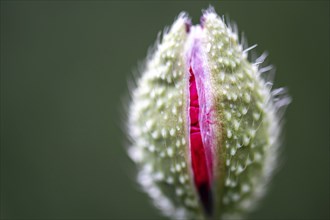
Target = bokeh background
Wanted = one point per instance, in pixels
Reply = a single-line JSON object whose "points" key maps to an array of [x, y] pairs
{"points": [[64, 73]]}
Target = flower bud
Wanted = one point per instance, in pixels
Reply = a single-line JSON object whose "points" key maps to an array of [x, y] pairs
{"points": [[204, 123]]}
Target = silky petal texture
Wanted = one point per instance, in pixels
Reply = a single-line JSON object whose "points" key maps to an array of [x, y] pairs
{"points": [[200, 167]]}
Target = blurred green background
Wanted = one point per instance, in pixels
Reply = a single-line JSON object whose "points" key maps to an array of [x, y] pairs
{"points": [[64, 73]]}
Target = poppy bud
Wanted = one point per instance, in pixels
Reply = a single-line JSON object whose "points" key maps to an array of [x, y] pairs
{"points": [[204, 123]]}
